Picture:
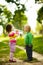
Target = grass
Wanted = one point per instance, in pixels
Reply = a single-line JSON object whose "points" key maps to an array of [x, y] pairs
{"points": [[37, 44], [20, 41], [4, 53]]}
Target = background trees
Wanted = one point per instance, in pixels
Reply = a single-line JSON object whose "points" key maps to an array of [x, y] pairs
{"points": [[18, 19], [40, 18], [40, 15]]}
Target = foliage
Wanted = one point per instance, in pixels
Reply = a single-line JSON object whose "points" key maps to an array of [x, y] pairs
{"points": [[10, 0], [17, 3], [6, 16], [38, 27], [39, 1], [40, 15], [1, 11], [19, 19]]}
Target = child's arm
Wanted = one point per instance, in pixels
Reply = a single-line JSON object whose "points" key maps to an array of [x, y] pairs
{"points": [[15, 36], [12, 35]]}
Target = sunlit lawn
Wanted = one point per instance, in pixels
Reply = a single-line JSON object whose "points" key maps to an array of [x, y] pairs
{"points": [[37, 43], [4, 53], [19, 54]]}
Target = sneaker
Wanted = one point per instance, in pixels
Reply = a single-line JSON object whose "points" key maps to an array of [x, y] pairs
{"points": [[27, 60], [12, 60]]}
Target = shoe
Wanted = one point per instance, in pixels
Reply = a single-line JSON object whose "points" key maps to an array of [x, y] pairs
{"points": [[12, 60], [27, 60]]}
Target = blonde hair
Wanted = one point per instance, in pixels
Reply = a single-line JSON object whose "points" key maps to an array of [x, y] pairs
{"points": [[29, 28]]}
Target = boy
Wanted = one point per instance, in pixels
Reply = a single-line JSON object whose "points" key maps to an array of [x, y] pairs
{"points": [[28, 42]]}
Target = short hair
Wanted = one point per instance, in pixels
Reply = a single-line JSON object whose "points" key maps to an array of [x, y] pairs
{"points": [[29, 28], [8, 28]]}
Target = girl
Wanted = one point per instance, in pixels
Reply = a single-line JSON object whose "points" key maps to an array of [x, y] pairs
{"points": [[12, 41]]}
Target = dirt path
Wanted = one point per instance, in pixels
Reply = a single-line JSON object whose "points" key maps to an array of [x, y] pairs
{"points": [[36, 55], [20, 62]]}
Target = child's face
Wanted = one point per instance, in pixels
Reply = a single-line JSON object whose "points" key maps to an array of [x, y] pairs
{"points": [[26, 28]]}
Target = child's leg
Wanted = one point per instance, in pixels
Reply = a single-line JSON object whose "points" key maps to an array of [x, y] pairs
{"points": [[12, 49], [11, 56], [29, 52]]}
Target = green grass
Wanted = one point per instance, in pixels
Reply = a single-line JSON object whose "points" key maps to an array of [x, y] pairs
{"points": [[4, 53], [20, 41], [37, 44], [19, 54], [4, 49]]}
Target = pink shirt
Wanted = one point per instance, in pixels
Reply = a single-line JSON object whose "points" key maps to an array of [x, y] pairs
{"points": [[12, 40]]}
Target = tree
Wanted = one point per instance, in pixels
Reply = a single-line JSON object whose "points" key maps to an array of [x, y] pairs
{"points": [[19, 19], [39, 1], [40, 15], [17, 3], [5, 16], [1, 11], [38, 27]]}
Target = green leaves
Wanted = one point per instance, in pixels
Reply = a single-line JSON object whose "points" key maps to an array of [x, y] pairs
{"points": [[1, 10], [40, 15], [9, 1], [17, 3], [19, 19]]}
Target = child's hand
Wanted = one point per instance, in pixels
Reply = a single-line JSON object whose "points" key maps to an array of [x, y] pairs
{"points": [[30, 45], [15, 35]]}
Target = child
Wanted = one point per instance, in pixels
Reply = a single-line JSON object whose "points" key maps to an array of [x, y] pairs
{"points": [[28, 42], [12, 41]]}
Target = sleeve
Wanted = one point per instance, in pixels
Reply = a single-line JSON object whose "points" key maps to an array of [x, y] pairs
{"points": [[27, 39], [11, 34]]}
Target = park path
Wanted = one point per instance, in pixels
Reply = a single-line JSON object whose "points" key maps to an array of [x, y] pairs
{"points": [[36, 55], [20, 62]]}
